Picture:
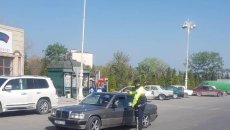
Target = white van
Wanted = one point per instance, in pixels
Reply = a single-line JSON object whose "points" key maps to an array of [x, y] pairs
{"points": [[27, 93]]}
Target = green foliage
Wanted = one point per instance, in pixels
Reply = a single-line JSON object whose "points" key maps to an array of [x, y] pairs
{"points": [[26, 66], [120, 68], [151, 68], [55, 52], [207, 65], [112, 83]]}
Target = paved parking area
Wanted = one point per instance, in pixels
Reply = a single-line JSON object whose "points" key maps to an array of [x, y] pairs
{"points": [[193, 113]]}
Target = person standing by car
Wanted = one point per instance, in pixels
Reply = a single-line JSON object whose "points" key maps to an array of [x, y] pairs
{"points": [[139, 102]]}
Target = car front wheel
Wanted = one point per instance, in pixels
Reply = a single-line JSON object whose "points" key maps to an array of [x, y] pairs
{"points": [[175, 96], [43, 106], [219, 94], [94, 123], [198, 94], [145, 121], [1, 108], [161, 96]]}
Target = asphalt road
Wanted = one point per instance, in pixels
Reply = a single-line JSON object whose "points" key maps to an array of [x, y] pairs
{"points": [[193, 113]]}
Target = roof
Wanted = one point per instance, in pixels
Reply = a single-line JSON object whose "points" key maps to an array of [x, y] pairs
{"points": [[24, 76]]}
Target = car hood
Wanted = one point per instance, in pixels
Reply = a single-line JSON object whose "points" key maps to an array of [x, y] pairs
{"points": [[80, 108]]}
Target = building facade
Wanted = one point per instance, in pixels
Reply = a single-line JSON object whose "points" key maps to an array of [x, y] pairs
{"points": [[87, 57], [11, 50]]}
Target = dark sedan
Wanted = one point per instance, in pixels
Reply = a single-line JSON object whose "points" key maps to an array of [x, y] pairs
{"points": [[101, 110]]}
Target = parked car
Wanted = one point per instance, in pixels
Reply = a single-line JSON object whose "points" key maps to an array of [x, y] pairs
{"points": [[177, 91], [223, 85], [187, 92], [27, 93], [206, 90], [156, 91], [101, 110]]}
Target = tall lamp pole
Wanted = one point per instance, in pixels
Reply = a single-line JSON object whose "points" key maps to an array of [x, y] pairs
{"points": [[80, 92], [188, 25]]}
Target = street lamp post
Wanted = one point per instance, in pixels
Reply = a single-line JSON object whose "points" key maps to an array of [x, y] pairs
{"points": [[188, 25], [80, 92]]}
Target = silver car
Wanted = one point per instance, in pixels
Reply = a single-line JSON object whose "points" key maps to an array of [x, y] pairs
{"points": [[101, 110]]}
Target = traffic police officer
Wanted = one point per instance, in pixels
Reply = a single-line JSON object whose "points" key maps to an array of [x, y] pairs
{"points": [[139, 102]]}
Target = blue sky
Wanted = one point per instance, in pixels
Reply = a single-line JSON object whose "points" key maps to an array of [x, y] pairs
{"points": [[139, 28]]}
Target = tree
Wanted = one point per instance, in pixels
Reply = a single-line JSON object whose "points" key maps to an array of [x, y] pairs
{"points": [[119, 68], [151, 69], [55, 52], [207, 65], [35, 65], [26, 66]]}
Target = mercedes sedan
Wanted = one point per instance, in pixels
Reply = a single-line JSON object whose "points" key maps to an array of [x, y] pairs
{"points": [[101, 110]]}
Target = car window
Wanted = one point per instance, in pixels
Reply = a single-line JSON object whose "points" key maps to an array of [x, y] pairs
{"points": [[98, 99], [2, 80], [28, 84], [120, 101], [15, 84], [205, 88], [130, 98], [147, 88], [210, 88], [154, 88], [41, 83]]}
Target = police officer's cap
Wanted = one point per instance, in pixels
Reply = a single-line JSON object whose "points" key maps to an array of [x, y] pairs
{"points": [[136, 81]]}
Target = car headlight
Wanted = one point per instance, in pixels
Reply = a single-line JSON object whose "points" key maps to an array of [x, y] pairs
{"points": [[77, 115], [53, 112]]}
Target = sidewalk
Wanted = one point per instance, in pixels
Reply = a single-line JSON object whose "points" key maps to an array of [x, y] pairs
{"points": [[62, 101]]}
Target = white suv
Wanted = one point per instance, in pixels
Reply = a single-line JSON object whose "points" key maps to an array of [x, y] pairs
{"points": [[27, 93]]}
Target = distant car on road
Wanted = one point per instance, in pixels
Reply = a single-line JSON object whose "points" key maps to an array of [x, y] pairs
{"points": [[156, 91], [206, 90], [177, 91], [126, 89], [101, 110], [187, 92]]}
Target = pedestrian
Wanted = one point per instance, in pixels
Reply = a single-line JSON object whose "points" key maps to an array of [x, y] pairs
{"points": [[139, 102], [92, 89]]}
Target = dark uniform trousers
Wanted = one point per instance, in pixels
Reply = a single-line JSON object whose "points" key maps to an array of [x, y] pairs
{"points": [[139, 111]]}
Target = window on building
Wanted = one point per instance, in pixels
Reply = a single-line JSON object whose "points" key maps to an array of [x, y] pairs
{"points": [[5, 65]]}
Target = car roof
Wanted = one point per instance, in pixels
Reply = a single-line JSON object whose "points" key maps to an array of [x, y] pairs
{"points": [[112, 93], [22, 76]]}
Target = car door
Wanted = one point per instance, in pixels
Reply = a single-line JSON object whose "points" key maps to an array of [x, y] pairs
{"points": [[129, 112], [211, 91], [155, 91], [16, 98], [205, 91], [116, 114], [29, 87]]}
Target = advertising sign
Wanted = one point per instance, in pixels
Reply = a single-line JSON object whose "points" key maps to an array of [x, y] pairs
{"points": [[5, 41]]}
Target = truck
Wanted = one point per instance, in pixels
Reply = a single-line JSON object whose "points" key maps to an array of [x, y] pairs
{"points": [[223, 85]]}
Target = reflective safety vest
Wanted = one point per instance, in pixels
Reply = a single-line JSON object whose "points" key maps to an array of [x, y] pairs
{"points": [[139, 96]]}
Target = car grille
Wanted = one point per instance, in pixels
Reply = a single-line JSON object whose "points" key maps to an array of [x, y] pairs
{"points": [[62, 114]]}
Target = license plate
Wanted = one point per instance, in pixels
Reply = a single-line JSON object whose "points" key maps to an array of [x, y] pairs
{"points": [[59, 122]]}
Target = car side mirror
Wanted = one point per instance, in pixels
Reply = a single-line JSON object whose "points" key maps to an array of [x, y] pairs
{"points": [[8, 87]]}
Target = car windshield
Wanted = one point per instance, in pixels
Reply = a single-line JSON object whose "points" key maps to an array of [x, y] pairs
{"points": [[162, 88], [2, 80], [98, 99]]}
